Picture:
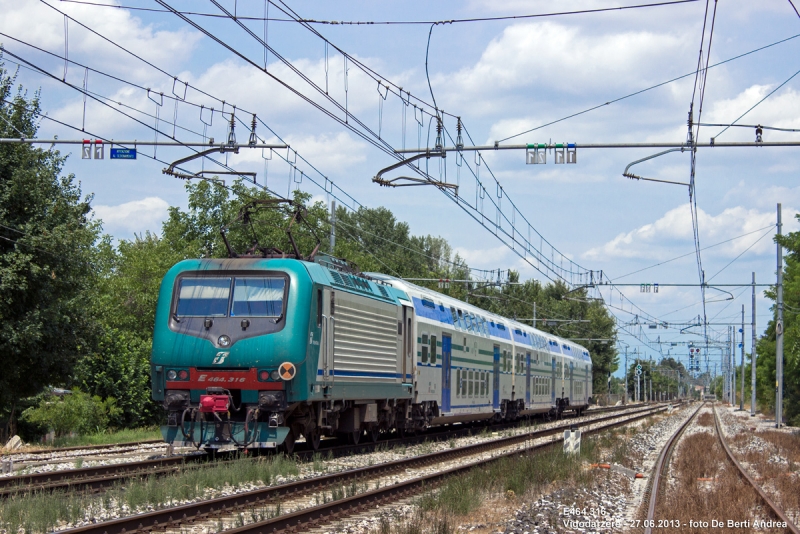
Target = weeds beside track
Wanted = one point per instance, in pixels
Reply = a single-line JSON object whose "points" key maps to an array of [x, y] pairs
{"points": [[707, 489]]}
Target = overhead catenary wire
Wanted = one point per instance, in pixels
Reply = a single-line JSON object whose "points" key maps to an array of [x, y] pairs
{"points": [[175, 79], [700, 81], [795, 8], [690, 253], [769, 231], [754, 106], [154, 128], [379, 143], [391, 22], [484, 162], [656, 86], [108, 140]]}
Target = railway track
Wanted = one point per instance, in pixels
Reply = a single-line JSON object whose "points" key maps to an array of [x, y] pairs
{"points": [[663, 462], [97, 478], [305, 518], [660, 468], [777, 510], [86, 449]]}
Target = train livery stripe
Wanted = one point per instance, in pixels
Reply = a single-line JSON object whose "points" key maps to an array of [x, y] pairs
{"points": [[364, 374], [229, 379]]}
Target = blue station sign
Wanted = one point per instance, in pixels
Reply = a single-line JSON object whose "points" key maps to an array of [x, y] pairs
{"points": [[123, 153]]}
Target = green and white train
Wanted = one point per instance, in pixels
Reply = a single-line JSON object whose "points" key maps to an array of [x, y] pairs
{"points": [[258, 352]]}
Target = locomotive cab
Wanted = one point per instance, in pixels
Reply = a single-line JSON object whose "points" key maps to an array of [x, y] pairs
{"points": [[223, 374]]}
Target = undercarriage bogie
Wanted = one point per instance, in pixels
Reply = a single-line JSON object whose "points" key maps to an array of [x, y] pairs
{"points": [[214, 423]]}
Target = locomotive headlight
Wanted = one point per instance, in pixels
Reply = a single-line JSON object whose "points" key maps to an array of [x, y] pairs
{"points": [[275, 375], [224, 341], [171, 374]]}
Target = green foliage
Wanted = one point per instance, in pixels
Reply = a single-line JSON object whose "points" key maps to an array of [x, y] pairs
{"points": [[47, 259], [765, 348], [666, 375], [110, 437], [196, 233], [120, 368], [375, 241], [77, 412]]}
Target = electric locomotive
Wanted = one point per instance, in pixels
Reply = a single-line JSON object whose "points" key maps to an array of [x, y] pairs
{"points": [[256, 352]]}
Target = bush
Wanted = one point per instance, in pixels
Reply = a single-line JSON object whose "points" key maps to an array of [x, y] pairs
{"points": [[120, 369], [77, 412]]}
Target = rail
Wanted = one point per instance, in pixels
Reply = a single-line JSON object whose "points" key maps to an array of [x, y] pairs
{"points": [[663, 460], [776, 509], [201, 510]]}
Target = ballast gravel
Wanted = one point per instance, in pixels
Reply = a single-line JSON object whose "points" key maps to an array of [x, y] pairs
{"points": [[612, 501], [25, 463], [109, 509]]}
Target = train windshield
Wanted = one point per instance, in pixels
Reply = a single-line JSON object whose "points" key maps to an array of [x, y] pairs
{"points": [[203, 297], [246, 296], [258, 297]]}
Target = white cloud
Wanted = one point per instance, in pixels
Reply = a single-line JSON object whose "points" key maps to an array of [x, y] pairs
{"points": [[545, 56], [485, 258], [326, 151], [781, 110], [248, 87], [658, 240], [132, 217], [38, 24]]}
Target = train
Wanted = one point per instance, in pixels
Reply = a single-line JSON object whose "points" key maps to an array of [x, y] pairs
{"points": [[259, 352]]}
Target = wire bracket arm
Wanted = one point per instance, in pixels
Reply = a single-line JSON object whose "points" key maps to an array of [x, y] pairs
{"points": [[412, 180]]}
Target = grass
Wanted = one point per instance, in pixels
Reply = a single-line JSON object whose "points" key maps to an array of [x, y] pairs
{"points": [[726, 496], [510, 476], [777, 478], [109, 438], [44, 512], [439, 511], [705, 419]]}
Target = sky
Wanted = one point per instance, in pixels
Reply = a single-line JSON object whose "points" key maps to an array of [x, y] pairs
{"points": [[502, 77]]}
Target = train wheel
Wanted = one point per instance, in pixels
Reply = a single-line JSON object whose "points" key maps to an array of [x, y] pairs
{"points": [[373, 434], [354, 437], [314, 439], [288, 443]]}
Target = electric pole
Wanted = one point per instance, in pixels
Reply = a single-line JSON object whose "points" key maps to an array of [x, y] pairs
{"points": [[741, 371], [333, 225], [753, 354], [625, 398], [779, 334]]}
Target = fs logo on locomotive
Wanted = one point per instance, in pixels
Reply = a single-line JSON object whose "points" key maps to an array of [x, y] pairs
{"points": [[220, 358]]}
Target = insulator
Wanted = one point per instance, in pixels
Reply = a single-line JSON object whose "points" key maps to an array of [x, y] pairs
{"points": [[459, 139], [253, 137], [231, 134]]}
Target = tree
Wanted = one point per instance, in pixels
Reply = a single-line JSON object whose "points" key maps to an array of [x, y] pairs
{"points": [[47, 259], [376, 241]]}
